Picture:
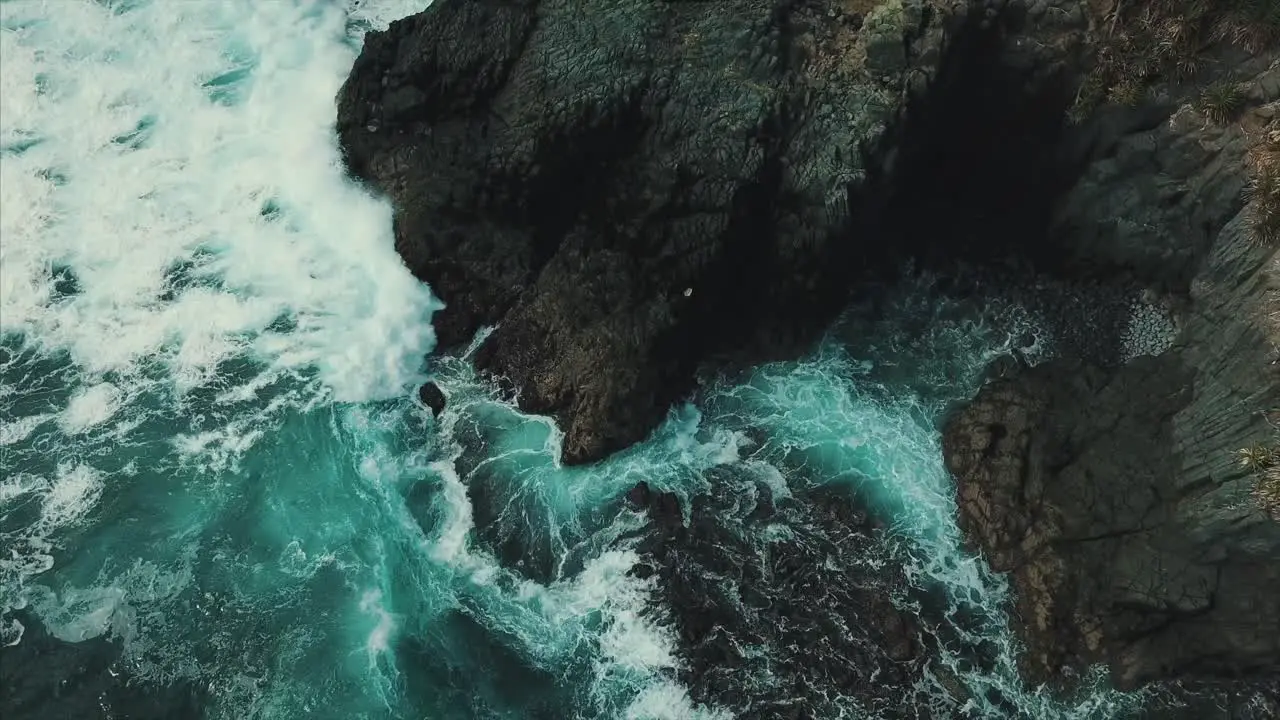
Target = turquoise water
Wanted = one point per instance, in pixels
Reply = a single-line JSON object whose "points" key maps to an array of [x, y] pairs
{"points": [[211, 451]]}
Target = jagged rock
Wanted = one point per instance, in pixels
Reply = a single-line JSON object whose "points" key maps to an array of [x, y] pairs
{"points": [[431, 396], [884, 28], [1113, 496], [569, 173], [628, 189]]}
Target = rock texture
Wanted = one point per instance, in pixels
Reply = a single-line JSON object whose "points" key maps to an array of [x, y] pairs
{"points": [[776, 596], [619, 186], [628, 189], [1114, 495]]}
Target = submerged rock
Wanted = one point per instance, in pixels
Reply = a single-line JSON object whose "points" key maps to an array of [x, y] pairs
{"points": [[781, 605], [663, 508]]}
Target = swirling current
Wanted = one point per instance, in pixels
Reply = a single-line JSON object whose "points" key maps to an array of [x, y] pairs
{"points": [[213, 454]]}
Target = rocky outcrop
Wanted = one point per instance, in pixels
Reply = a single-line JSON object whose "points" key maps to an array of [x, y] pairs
{"points": [[621, 187], [629, 189], [1113, 495], [432, 397]]}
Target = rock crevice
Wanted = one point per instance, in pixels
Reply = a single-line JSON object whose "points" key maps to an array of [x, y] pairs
{"points": [[1114, 496], [630, 191]]}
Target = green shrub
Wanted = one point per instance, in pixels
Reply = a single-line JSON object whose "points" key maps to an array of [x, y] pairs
{"points": [[1258, 457], [1126, 92], [1264, 462], [1092, 91], [1252, 24], [1222, 102], [1141, 41]]}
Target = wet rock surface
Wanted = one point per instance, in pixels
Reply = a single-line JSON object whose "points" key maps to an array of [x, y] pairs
{"points": [[1069, 479], [780, 604], [620, 188], [632, 191], [430, 395], [629, 190]]}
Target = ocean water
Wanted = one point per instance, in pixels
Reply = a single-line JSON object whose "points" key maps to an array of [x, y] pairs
{"points": [[211, 448]]}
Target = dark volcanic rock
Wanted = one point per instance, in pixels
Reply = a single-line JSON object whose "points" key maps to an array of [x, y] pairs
{"points": [[431, 396], [663, 508], [1073, 479], [1114, 496], [1017, 452], [628, 188], [621, 187], [1258, 699], [780, 605], [44, 677]]}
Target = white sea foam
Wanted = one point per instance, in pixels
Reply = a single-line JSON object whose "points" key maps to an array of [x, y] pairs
{"points": [[381, 13], [65, 500], [632, 639], [91, 406], [172, 203], [143, 163], [604, 604], [380, 637], [217, 451], [451, 545], [158, 213], [71, 495], [21, 428], [18, 484], [666, 700]]}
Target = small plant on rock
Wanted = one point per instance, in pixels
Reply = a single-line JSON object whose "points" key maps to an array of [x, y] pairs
{"points": [[1264, 207], [1222, 102], [1264, 462], [1263, 196], [1267, 492], [1142, 42], [1091, 93], [1258, 457], [1251, 24], [1126, 92]]}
